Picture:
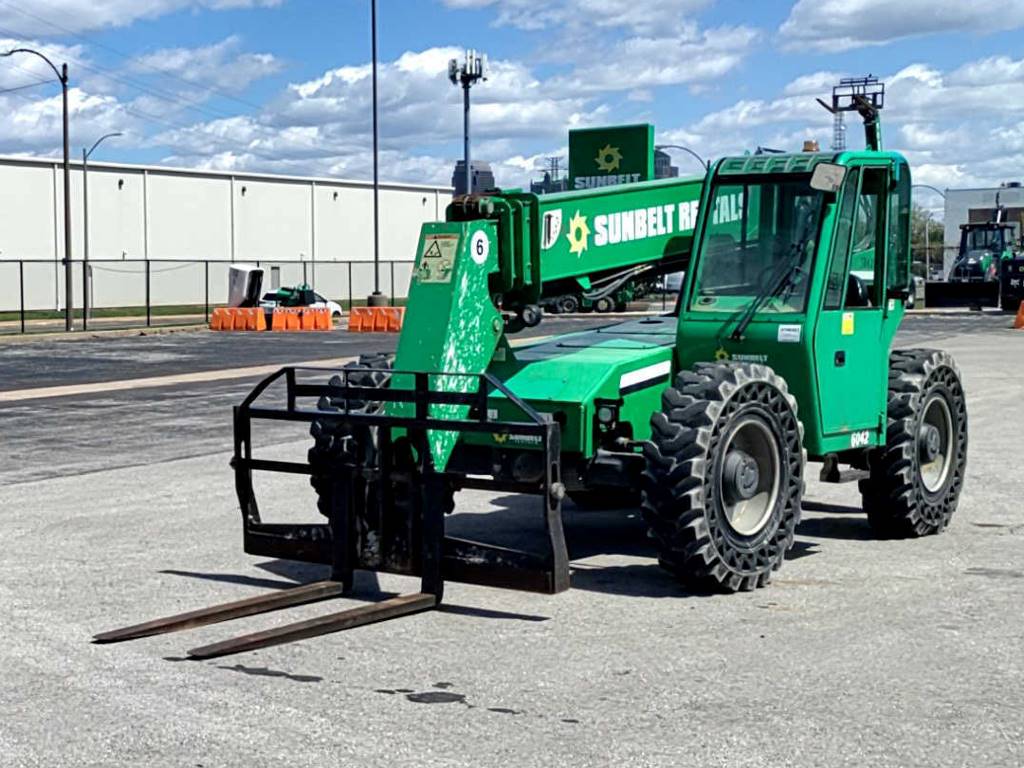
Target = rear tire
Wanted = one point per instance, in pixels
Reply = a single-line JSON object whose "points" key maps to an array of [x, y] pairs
{"points": [[917, 476], [724, 478], [604, 305]]}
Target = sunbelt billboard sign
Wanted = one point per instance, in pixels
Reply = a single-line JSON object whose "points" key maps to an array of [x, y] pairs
{"points": [[618, 154]]}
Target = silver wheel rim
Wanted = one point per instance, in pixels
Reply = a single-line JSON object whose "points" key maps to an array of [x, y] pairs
{"points": [[751, 437], [937, 415]]}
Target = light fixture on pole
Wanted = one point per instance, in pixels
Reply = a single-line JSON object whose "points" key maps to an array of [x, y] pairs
{"points": [[86, 154], [466, 74], [62, 77], [698, 158]]}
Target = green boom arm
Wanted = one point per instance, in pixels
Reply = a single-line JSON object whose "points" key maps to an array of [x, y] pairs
{"points": [[499, 253]]}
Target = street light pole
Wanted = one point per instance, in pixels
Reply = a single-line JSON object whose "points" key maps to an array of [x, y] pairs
{"points": [[467, 157], [376, 299], [86, 153], [927, 250], [62, 76], [927, 223], [466, 74]]}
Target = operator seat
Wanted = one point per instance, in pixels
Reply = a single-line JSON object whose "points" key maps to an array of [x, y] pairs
{"points": [[857, 293]]}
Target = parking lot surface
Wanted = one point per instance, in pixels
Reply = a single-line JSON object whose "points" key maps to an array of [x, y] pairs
{"points": [[119, 506]]}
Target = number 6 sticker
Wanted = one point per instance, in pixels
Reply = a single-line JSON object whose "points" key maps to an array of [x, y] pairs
{"points": [[479, 247]]}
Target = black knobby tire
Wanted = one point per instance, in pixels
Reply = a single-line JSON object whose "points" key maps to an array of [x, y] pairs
{"points": [[684, 490], [905, 495], [333, 442], [568, 305], [604, 305]]}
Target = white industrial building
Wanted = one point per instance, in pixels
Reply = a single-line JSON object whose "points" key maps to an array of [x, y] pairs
{"points": [[170, 221], [969, 206]]}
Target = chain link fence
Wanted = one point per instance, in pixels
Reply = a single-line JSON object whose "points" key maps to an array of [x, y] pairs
{"points": [[132, 293]]}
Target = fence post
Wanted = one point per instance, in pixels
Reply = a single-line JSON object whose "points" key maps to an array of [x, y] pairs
{"points": [[304, 281], [21, 289], [148, 311], [392, 282], [350, 286], [206, 270], [85, 293]]}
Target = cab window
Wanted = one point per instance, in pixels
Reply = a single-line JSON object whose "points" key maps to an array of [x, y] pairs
{"points": [[867, 250], [760, 237]]}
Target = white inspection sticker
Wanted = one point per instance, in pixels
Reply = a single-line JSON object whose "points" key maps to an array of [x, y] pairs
{"points": [[790, 334]]}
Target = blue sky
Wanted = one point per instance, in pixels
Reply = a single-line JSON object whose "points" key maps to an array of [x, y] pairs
{"points": [[282, 85]]}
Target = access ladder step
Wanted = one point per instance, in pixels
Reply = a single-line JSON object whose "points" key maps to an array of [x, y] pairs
{"points": [[391, 608], [285, 598]]}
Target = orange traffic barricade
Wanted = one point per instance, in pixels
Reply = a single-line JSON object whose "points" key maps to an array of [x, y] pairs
{"points": [[360, 319], [1018, 321], [220, 320], [395, 316], [376, 319], [237, 319], [255, 319], [278, 321], [285, 319], [308, 319], [323, 319]]}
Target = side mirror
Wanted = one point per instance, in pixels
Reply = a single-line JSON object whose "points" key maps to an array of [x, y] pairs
{"points": [[828, 177]]}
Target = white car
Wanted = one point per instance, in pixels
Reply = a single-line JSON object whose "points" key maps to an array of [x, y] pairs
{"points": [[318, 302]]}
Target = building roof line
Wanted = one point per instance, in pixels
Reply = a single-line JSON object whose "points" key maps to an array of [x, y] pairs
{"points": [[168, 170]]}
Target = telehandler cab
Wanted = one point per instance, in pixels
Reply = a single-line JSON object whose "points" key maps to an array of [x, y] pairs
{"points": [[778, 352]]}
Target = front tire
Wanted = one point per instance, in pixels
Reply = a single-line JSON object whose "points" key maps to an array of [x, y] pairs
{"points": [[332, 442], [724, 477], [916, 478]]}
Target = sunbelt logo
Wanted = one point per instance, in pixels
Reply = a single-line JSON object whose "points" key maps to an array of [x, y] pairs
{"points": [[608, 159], [630, 225]]}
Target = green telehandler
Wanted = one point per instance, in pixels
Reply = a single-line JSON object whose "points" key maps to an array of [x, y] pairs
{"points": [[778, 353]]}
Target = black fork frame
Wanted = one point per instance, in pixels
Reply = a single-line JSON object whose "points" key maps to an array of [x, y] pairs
{"points": [[440, 557]]}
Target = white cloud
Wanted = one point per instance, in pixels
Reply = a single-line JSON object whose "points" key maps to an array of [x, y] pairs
{"points": [[35, 126], [693, 56], [961, 127], [221, 65], [838, 25], [652, 16], [323, 125], [54, 17], [602, 46]]}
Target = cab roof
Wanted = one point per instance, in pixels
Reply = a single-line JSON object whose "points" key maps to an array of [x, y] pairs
{"points": [[796, 162]]}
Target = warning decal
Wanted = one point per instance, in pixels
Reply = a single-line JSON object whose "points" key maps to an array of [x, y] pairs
{"points": [[437, 259]]}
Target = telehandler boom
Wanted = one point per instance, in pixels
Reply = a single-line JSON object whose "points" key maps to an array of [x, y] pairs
{"points": [[778, 352]]}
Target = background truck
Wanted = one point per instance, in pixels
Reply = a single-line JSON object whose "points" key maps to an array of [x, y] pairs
{"points": [[779, 353]]}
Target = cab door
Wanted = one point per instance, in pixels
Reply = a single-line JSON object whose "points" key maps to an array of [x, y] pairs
{"points": [[849, 334]]}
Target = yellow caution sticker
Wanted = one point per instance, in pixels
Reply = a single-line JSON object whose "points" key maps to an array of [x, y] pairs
{"points": [[847, 324], [437, 260]]}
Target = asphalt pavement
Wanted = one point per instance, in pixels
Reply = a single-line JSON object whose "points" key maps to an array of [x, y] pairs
{"points": [[119, 506]]}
